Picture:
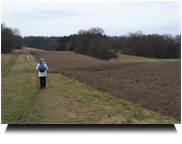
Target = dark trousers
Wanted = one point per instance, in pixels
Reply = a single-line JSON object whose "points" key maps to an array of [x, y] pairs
{"points": [[42, 82]]}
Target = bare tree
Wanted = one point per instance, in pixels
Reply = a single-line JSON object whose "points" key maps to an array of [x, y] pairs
{"points": [[96, 30], [37, 41], [53, 46], [16, 32], [178, 45]]}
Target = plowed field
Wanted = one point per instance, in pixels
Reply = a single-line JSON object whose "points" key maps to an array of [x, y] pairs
{"points": [[155, 87], [67, 61]]}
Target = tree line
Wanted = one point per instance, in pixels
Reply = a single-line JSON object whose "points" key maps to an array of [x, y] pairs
{"points": [[92, 42], [41, 42], [152, 45], [65, 43], [95, 43], [10, 39]]}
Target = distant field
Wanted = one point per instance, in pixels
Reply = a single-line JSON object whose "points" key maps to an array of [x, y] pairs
{"points": [[60, 61], [32, 49], [130, 58]]}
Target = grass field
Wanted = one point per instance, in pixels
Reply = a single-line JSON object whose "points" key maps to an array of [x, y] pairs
{"points": [[33, 49], [130, 58], [67, 101]]}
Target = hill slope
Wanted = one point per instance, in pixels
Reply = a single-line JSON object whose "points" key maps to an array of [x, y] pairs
{"points": [[67, 101]]}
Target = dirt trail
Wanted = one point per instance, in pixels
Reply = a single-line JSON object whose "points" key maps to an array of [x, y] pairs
{"points": [[19, 119], [11, 62], [44, 100]]}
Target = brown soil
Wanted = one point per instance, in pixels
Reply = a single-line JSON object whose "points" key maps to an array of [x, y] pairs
{"points": [[154, 87], [66, 61]]}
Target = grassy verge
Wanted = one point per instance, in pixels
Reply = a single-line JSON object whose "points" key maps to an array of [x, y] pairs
{"points": [[17, 93], [67, 101], [71, 102], [7, 62], [130, 58], [18, 85], [5, 59]]}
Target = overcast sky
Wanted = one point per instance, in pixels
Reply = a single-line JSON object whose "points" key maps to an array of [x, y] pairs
{"points": [[46, 18]]}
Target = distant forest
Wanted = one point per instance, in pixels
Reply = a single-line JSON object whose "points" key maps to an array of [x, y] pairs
{"points": [[10, 39], [53, 43], [94, 42]]}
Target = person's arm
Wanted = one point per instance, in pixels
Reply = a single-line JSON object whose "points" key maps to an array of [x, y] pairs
{"points": [[46, 67], [37, 66]]}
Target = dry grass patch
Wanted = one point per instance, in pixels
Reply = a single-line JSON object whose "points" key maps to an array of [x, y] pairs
{"points": [[116, 120], [20, 63], [27, 48], [130, 58], [5, 59]]}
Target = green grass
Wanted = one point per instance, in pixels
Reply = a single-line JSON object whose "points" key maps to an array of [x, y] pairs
{"points": [[67, 101], [130, 58], [17, 92], [7, 62], [17, 85]]}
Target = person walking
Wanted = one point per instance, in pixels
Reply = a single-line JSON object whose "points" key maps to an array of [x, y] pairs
{"points": [[42, 72]]}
